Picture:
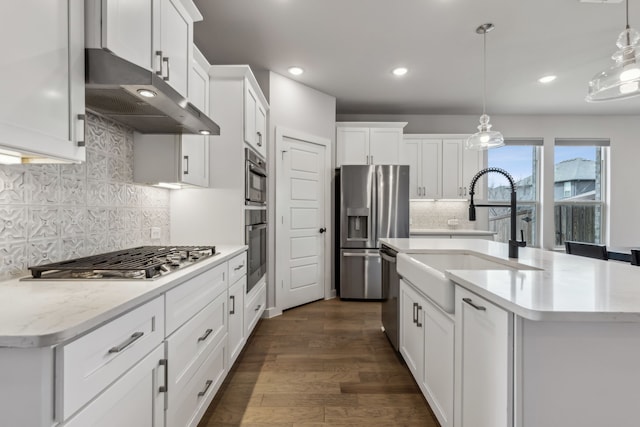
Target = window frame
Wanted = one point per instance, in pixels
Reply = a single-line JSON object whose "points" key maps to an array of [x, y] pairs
{"points": [[604, 146]]}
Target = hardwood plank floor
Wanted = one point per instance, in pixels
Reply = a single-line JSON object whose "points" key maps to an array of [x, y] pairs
{"points": [[322, 364]]}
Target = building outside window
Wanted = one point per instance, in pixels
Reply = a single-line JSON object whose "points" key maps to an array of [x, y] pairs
{"points": [[579, 199], [521, 159]]}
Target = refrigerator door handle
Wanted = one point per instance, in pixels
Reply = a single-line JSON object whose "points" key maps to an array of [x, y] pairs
{"points": [[362, 254]]}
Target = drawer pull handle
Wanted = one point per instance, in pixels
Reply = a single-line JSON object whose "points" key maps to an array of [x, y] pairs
{"points": [[239, 267], [135, 337], [233, 304], [165, 387], [206, 387], [477, 307], [418, 324], [206, 335]]}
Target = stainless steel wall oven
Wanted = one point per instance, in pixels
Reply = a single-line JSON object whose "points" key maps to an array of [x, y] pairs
{"points": [[255, 179], [256, 239]]}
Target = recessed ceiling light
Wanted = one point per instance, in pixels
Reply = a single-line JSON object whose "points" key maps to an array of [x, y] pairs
{"points": [[547, 79], [400, 71], [296, 71], [146, 93]]}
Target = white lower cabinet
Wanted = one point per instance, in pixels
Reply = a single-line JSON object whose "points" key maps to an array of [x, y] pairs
{"points": [[484, 362], [256, 301], [135, 400], [427, 346]]}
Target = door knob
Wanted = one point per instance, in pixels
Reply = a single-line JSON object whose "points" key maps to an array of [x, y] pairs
{"points": [[322, 230]]}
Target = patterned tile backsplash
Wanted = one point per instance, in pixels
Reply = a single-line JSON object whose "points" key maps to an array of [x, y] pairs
{"points": [[53, 212], [429, 214]]}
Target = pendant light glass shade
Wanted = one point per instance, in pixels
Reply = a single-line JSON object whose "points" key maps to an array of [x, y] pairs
{"points": [[622, 80], [485, 138]]}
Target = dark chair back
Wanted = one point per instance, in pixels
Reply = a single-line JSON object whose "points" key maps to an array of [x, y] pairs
{"points": [[590, 250]]}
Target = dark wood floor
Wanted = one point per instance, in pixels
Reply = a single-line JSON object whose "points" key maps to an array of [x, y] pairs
{"points": [[322, 364]]}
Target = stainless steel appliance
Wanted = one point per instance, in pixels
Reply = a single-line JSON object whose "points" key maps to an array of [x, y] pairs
{"points": [[390, 295], [374, 204], [140, 98], [256, 239], [143, 262], [255, 179]]}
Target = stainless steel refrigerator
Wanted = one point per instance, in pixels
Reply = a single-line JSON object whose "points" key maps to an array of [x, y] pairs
{"points": [[374, 204]]}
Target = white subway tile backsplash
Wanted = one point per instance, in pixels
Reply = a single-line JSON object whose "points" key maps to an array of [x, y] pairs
{"points": [[52, 212]]}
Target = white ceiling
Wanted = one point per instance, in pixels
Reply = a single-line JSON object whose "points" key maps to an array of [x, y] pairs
{"points": [[349, 47]]}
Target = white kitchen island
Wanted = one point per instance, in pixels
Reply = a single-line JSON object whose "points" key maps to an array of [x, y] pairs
{"points": [[548, 340]]}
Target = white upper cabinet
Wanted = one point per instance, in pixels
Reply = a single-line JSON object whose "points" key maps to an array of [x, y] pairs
{"points": [[368, 143], [42, 85], [255, 119], [177, 159], [441, 168], [154, 34]]}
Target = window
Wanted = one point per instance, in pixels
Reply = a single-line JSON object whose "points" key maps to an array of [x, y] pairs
{"points": [[520, 158], [579, 190]]}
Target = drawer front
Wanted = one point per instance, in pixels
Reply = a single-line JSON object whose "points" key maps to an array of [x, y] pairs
{"points": [[187, 408], [237, 267], [193, 342], [187, 299], [89, 364], [255, 306]]}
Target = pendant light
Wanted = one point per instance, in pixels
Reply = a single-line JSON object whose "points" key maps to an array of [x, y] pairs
{"points": [[485, 137], [622, 80]]}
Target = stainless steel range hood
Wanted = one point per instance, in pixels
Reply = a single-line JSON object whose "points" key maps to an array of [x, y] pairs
{"points": [[113, 86]]}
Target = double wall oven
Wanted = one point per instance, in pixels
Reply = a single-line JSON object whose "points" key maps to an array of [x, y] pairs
{"points": [[255, 217]]}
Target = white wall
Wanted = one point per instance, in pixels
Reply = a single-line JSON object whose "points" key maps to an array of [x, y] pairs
{"points": [[623, 132], [297, 107]]}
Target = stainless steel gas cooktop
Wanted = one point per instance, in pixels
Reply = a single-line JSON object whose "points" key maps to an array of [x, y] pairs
{"points": [[144, 262]]}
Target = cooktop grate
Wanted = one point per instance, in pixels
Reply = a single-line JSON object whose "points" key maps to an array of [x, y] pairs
{"points": [[144, 258]]}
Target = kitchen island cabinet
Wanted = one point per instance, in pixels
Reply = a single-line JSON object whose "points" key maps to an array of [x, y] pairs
{"points": [[548, 339], [126, 352]]}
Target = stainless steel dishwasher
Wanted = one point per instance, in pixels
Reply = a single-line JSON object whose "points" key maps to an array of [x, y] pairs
{"points": [[390, 294]]}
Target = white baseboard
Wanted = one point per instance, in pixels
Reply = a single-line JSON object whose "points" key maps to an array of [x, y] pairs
{"points": [[271, 312]]}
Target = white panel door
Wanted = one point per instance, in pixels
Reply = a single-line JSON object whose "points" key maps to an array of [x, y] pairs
{"points": [[384, 146], [452, 168], [430, 165], [410, 155], [472, 163], [127, 29], [301, 211], [195, 148]]}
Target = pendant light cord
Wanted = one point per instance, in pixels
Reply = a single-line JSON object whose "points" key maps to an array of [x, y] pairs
{"points": [[484, 71]]}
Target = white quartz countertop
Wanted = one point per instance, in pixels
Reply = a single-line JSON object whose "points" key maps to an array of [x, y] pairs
{"points": [[40, 313], [450, 231], [566, 288]]}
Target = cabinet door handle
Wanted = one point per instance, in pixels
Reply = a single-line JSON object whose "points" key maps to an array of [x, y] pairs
{"points": [[80, 124], [418, 324], [259, 139], [477, 307], [159, 58], [233, 304], [206, 387], [372, 160], [415, 317], [459, 191], [206, 335], [238, 267], [367, 159], [133, 338], [185, 165], [165, 59], [465, 191], [164, 388]]}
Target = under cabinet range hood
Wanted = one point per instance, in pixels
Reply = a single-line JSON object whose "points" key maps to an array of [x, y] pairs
{"points": [[116, 88]]}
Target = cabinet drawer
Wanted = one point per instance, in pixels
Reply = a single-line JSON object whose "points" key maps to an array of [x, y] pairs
{"points": [[89, 364], [187, 408], [185, 300], [189, 345], [237, 267], [256, 302]]}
